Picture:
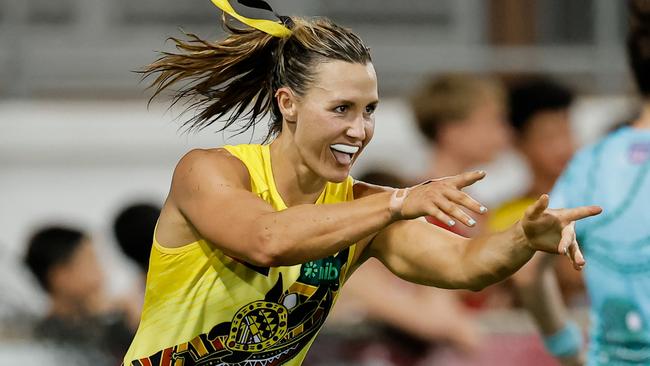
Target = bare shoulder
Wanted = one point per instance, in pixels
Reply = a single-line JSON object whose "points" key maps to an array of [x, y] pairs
{"points": [[198, 172], [210, 164], [363, 189]]}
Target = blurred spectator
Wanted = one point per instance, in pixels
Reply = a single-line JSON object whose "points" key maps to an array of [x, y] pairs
{"points": [[21, 303], [463, 117], [540, 117], [80, 315], [612, 173], [133, 228], [411, 321]]}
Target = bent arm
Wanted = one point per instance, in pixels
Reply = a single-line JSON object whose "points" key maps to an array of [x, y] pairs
{"points": [[426, 254], [211, 189], [537, 287]]}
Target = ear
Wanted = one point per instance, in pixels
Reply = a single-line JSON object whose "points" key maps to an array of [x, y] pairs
{"points": [[287, 102]]}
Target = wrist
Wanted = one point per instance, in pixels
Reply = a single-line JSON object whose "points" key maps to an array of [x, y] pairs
{"points": [[521, 238], [396, 203], [566, 342]]}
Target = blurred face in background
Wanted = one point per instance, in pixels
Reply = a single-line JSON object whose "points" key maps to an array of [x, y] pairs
{"points": [[547, 142], [80, 277], [481, 135]]}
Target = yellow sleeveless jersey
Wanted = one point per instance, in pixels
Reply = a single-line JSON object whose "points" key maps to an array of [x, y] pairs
{"points": [[203, 307]]}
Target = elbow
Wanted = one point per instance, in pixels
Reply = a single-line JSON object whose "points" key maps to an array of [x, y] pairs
{"points": [[477, 285], [264, 260], [480, 281], [463, 281], [272, 258], [268, 249]]}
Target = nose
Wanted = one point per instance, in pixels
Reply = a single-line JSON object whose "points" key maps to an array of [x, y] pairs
{"points": [[356, 129]]}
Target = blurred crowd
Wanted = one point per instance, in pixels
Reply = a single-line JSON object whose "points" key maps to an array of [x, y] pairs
{"points": [[468, 122], [82, 324]]}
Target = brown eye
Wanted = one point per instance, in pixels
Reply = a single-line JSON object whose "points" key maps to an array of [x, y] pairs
{"points": [[341, 109]]}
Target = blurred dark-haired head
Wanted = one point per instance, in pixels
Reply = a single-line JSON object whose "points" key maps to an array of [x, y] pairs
{"points": [[133, 228], [638, 44], [64, 262], [49, 247], [530, 97], [539, 115]]}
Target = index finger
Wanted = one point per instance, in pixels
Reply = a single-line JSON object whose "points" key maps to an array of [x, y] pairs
{"points": [[536, 209], [578, 213], [467, 179]]}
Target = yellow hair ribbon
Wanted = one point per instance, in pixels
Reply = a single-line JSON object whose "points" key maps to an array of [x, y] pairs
{"points": [[267, 26]]}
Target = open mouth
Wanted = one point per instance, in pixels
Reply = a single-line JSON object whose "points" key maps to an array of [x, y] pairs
{"points": [[344, 153]]}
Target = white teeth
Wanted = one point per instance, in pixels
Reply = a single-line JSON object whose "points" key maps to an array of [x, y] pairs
{"points": [[348, 149]]}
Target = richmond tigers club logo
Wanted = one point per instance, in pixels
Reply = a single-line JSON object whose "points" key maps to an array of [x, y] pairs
{"points": [[266, 332]]}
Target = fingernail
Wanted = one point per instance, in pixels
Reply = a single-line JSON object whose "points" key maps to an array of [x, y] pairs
{"points": [[483, 209], [480, 171], [471, 222], [451, 222]]}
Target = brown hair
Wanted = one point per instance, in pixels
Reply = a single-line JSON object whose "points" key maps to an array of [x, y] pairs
{"points": [[451, 97], [638, 44], [239, 75]]}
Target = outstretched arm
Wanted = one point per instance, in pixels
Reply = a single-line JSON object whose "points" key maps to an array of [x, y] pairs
{"points": [[536, 286], [211, 195], [425, 254]]}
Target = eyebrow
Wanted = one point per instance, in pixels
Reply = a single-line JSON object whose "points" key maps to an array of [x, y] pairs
{"points": [[349, 102]]}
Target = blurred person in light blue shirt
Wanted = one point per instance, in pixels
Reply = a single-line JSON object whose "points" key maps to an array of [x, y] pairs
{"points": [[613, 173]]}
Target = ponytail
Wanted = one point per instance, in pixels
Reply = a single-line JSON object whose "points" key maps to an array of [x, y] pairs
{"points": [[224, 81], [234, 80]]}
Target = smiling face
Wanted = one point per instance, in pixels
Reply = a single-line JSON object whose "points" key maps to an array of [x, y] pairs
{"points": [[334, 120]]}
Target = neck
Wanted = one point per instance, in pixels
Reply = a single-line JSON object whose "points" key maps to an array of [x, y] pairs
{"points": [[296, 183], [644, 119], [63, 307], [443, 164], [66, 307]]}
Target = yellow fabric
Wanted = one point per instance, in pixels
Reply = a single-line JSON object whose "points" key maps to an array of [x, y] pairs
{"points": [[509, 213], [201, 305], [267, 26]]}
